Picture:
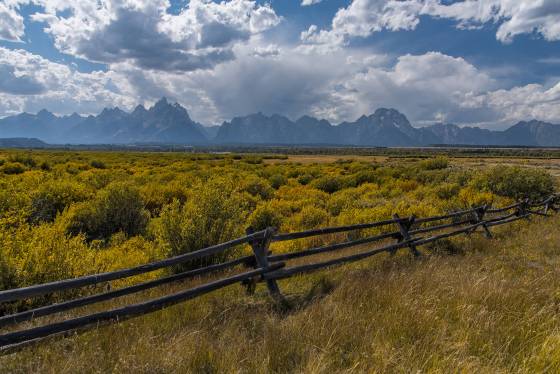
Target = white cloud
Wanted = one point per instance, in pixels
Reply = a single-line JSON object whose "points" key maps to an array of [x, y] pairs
{"points": [[310, 2], [56, 86], [11, 22], [338, 85], [364, 17], [515, 17], [15, 83], [525, 103], [271, 50], [422, 87], [141, 32]]}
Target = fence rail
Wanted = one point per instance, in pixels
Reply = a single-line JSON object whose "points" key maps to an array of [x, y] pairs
{"points": [[267, 267]]}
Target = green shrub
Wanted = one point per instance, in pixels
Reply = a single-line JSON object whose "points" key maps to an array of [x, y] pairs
{"points": [[446, 191], [12, 168], [157, 195], [265, 216], [256, 186], [436, 163], [96, 164], [277, 181], [45, 166], [328, 184], [516, 182], [52, 198], [305, 179], [214, 213], [309, 217], [118, 207], [365, 176], [254, 160], [23, 159], [344, 199]]}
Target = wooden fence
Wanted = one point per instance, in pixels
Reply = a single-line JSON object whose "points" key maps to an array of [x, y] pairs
{"points": [[263, 267]]}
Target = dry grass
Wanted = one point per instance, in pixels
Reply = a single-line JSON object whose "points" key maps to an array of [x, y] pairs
{"points": [[325, 159], [493, 308]]}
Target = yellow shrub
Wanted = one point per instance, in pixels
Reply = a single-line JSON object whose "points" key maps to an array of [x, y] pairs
{"points": [[469, 197]]}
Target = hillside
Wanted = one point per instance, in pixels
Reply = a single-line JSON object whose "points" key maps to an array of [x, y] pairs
{"points": [[22, 143], [166, 123]]}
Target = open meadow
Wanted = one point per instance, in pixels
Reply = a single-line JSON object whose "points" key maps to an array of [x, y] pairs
{"points": [[470, 303]]}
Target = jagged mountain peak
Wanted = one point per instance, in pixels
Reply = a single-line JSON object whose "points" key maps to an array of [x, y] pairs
{"points": [[363, 118], [309, 120], [390, 116], [112, 112], [139, 109], [45, 114], [253, 118], [389, 112], [160, 106], [306, 118], [163, 107], [170, 123], [161, 102]]}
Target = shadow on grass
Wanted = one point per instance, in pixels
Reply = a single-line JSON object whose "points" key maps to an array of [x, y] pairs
{"points": [[296, 302]]}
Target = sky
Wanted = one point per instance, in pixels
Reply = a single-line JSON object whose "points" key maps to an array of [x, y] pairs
{"points": [[488, 63]]}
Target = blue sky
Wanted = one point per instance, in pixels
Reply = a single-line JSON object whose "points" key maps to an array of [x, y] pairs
{"points": [[472, 62]]}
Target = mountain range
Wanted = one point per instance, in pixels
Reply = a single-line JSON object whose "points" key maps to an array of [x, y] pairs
{"points": [[167, 123]]}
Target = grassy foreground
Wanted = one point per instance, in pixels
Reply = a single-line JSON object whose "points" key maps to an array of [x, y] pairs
{"points": [[492, 307]]}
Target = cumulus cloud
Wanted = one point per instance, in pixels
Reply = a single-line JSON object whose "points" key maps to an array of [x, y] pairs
{"points": [[142, 32], [524, 103], [340, 85], [271, 50], [13, 83], [423, 87], [365, 17], [515, 17], [29, 82], [11, 22], [428, 88], [345, 84]]}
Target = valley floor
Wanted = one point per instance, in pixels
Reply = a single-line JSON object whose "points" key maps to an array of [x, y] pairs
{"points": [[492, 307]]}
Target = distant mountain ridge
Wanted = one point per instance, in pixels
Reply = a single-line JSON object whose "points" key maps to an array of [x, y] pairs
{"points": [[162, 123], [168, 123]]}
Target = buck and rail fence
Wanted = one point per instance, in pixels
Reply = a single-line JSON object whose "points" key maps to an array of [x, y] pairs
{"points": [[263, 266]]}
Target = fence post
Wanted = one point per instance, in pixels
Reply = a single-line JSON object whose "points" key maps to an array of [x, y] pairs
{"points": [[479, 213], [551, 204], [260, 250], [404, 227], [523, 208]]}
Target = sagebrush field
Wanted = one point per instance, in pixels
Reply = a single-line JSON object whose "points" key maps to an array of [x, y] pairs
{"points": [[492, 306]]}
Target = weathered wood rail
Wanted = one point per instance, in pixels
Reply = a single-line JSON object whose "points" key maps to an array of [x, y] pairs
{"points": [[266, 267]]}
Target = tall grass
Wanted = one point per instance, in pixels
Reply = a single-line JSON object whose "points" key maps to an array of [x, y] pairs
{"points": [[491, 307]]}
